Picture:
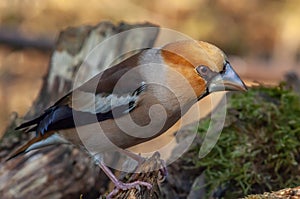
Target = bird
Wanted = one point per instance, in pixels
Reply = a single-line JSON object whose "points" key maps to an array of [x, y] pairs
{"points": [[133, 101]]}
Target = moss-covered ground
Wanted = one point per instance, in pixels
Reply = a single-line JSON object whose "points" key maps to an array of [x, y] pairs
{"points": [[259, 148]]}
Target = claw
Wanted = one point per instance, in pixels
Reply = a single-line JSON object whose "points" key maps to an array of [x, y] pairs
{"points": [[125, 186], [118, 184], [163, 171]]}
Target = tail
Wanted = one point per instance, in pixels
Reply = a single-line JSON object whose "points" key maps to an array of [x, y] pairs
{"points": [[34, 125], [49, 138], [25, 148], [27, 127], [44, 136], [30, 123]]}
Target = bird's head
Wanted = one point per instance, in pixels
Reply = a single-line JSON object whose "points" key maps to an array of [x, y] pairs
{"points": [[204, 65]]}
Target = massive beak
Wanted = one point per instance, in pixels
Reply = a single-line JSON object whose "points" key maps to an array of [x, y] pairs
{"points": [[228, 80]]}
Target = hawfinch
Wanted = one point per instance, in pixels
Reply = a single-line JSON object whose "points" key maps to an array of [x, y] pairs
{"points": [[134, 101]]}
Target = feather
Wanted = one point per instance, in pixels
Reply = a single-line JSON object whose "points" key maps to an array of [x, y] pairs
{"points": [[31, 122], [60, 117], [38, 142]]}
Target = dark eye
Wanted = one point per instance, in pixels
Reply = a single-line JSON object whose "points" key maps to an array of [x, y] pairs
{"points": [[202, 70]]}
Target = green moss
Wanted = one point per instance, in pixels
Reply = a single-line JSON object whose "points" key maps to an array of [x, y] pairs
{"points": [[259, 148]]}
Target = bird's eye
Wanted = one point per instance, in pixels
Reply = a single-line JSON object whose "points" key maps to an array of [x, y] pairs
{"points": [[202, 70]]}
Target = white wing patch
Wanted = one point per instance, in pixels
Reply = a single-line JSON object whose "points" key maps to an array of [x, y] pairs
{"points": [[103, 103]]}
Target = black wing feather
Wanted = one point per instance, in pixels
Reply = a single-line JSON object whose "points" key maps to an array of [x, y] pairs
{"points": [[60, 117]]}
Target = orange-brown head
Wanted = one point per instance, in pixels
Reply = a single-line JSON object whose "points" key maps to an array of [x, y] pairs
{"points": [[204, 65]]}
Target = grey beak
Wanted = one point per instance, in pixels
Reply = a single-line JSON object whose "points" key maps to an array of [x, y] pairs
{"points": [[228, 80]]}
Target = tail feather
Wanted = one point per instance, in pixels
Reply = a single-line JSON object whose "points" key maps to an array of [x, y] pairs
{"points": [[35, 121], [34, 128], [24, 148], [31, 122], [38, 142], [41, 125]]}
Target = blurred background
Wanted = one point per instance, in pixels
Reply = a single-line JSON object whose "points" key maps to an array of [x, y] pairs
{"points": [[262, 38]]}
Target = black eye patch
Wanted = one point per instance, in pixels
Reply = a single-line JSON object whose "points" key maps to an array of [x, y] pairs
{"points": [[206, 73], [202, 70]]}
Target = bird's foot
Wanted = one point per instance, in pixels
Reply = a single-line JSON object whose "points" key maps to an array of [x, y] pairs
{"points": [[125, 186], [140, 160]]}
